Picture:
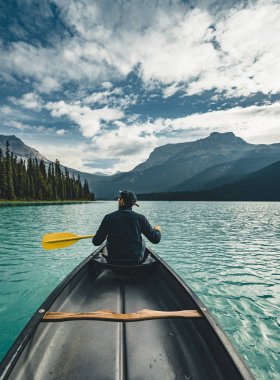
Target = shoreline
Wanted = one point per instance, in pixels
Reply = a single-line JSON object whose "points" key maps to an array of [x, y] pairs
{"points": [[18, 202]]}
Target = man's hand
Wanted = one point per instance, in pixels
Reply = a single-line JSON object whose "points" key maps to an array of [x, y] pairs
{"points": [[157, 227]]}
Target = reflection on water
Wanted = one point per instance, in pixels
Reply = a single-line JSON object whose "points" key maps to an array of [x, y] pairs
{"points": [[227, 252]]}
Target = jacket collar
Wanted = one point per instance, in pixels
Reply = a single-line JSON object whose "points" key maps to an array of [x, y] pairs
{"points": [[123, 208]]}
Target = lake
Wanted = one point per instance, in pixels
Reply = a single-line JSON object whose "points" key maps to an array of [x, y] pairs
{"points": [[229, 254]]}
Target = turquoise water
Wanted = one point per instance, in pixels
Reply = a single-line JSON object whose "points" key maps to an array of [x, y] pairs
{"points": [[229, 253]]}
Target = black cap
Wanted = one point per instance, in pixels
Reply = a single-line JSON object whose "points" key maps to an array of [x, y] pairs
{"points": [[129, 198]]}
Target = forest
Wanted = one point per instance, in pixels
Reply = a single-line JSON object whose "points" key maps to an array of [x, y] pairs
{"points": [[37, 181]]}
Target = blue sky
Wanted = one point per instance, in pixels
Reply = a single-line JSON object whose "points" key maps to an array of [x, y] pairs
{"points": [[100, 84]]}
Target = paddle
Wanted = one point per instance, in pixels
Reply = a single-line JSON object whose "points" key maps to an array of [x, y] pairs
{"points": [[61, 240]]}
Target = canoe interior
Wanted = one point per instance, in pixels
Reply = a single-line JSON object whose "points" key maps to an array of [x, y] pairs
{"points": [[155, 349]]}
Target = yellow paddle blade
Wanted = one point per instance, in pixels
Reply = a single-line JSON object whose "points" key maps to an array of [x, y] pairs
{"points": [[61, 240]]}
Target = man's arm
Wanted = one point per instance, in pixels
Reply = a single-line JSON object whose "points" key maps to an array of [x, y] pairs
{"points": [[152, 234], [101, 233]]}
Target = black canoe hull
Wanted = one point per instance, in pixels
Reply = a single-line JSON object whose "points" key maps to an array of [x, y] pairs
{"points": [[153, 349]]}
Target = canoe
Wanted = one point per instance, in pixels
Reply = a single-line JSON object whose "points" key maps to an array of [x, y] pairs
{"points": [[108, 322]]}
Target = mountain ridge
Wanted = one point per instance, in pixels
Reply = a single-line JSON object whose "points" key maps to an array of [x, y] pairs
{"points": [[261, 185], [179, 147], [227, 172], [21, 150], [197, 165], [170, 165]]}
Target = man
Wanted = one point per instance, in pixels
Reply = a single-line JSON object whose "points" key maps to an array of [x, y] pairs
{"points": [[123, 229]]}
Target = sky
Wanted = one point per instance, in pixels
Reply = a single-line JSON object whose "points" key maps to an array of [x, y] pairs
{"points": [[100, 84]]}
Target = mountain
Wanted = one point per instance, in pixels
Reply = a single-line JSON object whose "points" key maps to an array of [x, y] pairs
{"points": [[193, 165], [216, 160], [262, 185], [24, 151], [221, 174], [225, 142], [19, 149]]}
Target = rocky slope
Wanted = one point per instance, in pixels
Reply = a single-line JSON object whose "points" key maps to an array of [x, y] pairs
{"points": [[19, 149], [24, 151], [262, 185], [193, 165]]}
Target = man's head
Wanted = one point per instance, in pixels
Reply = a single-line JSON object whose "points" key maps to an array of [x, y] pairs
{"points": [[127, 198]]}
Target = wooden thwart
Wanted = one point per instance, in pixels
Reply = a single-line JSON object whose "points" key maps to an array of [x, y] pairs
{"points": [[109, 315]]}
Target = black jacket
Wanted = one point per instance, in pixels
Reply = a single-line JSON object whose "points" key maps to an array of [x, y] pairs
{"points": [[123, 229]]}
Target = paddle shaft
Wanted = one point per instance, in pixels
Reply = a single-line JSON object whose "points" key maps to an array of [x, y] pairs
{"points": [[71, 239]]}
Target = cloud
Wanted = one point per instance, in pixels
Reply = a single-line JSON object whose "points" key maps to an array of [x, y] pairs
{"points": [[123, 148], [80, 156], [48, 85], [129, 144], [248, 52], [230, 49], [69, 61], [69, 154], [22, 125], [19, 125], [6, 110], [30, 101], [170, 90], [256, 124], [11, 123], [112, 98], [107, 85], [61, 132], [178, 48], [89, 120], [125, 141], [98, 97]]}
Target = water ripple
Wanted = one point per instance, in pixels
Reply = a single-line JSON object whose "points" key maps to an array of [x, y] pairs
{"points": [[229, 253]]}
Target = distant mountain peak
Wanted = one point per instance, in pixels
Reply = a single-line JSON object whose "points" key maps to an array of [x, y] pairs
{"points": [[221, 134], [18, 147], [4, 138], [226, 138]]}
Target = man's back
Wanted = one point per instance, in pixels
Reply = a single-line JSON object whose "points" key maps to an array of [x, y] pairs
{"points": [[123, 229]]}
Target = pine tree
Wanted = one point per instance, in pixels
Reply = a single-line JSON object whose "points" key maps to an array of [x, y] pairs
{"points": [[9, 170], [79, 187], [36, 178], [21, 180], [3, 177], [43, 188], [30, 182], [67, 184], [86, 193], [33, 181], [15, 173], [53, 183], [49, 181]]}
